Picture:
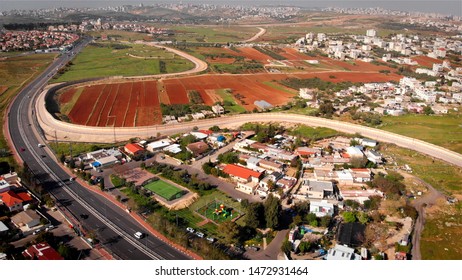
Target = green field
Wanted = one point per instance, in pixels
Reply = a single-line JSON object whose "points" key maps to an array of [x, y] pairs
{"points": [[106, 59], [445, 131], [218, 34], [15, 72], [165, 190], [230, 104], [315, 133], [218, 211]]}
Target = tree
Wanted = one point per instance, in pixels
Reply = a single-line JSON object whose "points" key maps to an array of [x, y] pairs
{"points": [[254, 215], [304, 246], [72, 163], [362, 217], [272, 211], [101, 185], [62, 158], [215, 128], [428, 110], [325, 221], [302, 208], [229, 231], [326, 109], [349, 217], [286, 247], [82, 165]]}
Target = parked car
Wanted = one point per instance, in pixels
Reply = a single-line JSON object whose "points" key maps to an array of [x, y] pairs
{"points": [[50, 227], [191, 230], [210, 239], [41, 145], [200, 234], [139, 235], [37, 231]]}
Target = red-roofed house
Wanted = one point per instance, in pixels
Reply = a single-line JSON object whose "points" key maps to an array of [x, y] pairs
{"points": [[134, 149], [42, 251], [14, 201], [242, 174]]}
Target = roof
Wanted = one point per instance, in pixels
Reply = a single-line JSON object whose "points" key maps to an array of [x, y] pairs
{"points": [[340, 252], [11, 199], [198, 148], [160, 144], [133, 148], [241, 172], [42, 251], [25, 217], [199, 135], [3, 227]]}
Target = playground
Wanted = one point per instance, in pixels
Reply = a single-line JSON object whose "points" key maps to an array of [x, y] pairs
{"points": [[218, 212]]}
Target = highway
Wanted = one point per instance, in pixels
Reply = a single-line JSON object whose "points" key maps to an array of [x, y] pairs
{"points": [[91, 212]]}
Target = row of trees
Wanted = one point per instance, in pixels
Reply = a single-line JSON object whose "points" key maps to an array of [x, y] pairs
{"points": [[263, 215]]}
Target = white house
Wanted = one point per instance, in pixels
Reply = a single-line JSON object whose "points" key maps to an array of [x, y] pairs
{"points": [[321, 208], [342, 253]]}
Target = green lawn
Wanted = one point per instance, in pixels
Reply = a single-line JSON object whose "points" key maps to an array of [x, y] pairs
{"points": [[314, 132], [95, 61], [228, 97], [445, 131], [117, 181], [165, 190], [280, 87]]}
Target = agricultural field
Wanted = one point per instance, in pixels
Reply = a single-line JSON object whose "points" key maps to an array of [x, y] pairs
{"points": [[105, 59], [138, 103], [125, 104], [15, 72], [165, 190], [445, 131], [218, 34]]}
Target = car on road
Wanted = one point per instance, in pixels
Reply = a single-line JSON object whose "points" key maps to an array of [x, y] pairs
{"points": [[139, 234], [200, 234], [22, 149], [50, 227], [37, 231], [191, 230], [40, 145]]}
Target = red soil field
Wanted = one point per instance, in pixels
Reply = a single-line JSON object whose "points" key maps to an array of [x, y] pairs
{"points": [[84, 105], [126, 104], [426, 61], [253, 54], [64, 98], [3, 89], [137, 103]]}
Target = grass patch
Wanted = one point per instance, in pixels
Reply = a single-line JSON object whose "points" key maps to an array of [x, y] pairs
{"points": [[77, 148], [229, 102], [105, 59], [219, 34], [315, 133], [15, 72], [444, 131], [279, 87], [441, 236], [117, 181], [165, 190], [66, 108]]}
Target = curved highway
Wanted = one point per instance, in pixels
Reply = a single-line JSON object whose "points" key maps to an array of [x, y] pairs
{"points": [[90, 211]]}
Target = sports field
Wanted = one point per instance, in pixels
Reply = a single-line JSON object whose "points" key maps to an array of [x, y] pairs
{"points": [[165, 190]]}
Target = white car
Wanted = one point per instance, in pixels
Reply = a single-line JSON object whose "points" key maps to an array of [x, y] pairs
{"points": [[139, 235], [200, 234], [191, 230]]}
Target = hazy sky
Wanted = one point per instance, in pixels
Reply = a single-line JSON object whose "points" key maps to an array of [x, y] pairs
{"points": [[445, 7]]}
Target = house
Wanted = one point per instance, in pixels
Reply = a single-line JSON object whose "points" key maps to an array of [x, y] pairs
{"points": [[368, 142], [10, 178], [359, 195], [262, 104], [242, 174], [342, 253], [198, 148], [306, 93], [42, 251], [321, 208], [374, 156], [286, 183], [317, 189], [361, 175], [14, 201], [217, 109], [271, 165], [3, 228], [27, 219], [307, 152], [158, 145], [103, 158], [4, 186], [344, 177], [354, 152], [199, 135], [134, 150]]}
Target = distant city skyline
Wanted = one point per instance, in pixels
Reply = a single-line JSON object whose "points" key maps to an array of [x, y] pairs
{"points": [[447, 7]]}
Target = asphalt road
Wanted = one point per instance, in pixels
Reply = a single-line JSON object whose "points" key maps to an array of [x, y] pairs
{"points": [[112, 225]]}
